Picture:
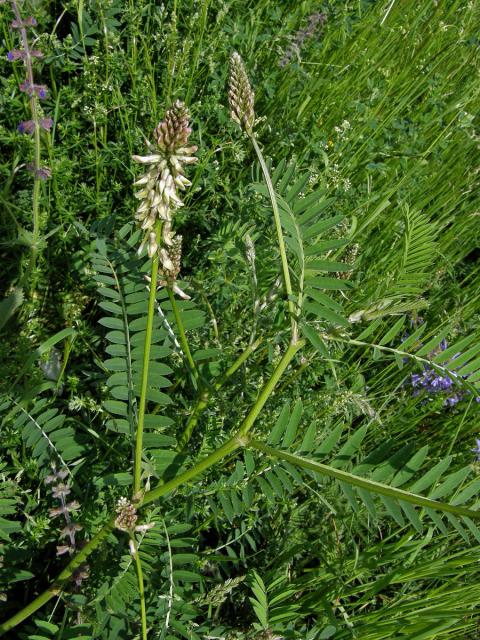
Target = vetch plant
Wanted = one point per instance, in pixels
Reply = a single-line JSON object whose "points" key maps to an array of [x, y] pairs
{"points": [[247, 447]]}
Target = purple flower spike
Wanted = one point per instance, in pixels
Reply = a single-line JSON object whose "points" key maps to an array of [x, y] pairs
{"points": [[26, 126]]}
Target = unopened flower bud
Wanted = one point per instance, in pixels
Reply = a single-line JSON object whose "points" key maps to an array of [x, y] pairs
{"points": [[240, 95]]}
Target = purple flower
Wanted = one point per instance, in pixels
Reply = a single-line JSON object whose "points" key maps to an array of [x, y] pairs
{"points": [[60, 491], [57, 475], [46, 123], [81, 574], [315, 21], [15, 54], [70, 529], [20, 24], [34, 89], [26, 126], [451, 401], [42, 173], [64, 509]]}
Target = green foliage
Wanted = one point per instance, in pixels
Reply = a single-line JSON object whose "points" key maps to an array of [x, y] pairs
{"points": [[350, 509]]}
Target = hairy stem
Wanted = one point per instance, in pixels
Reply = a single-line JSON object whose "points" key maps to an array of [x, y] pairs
{"points": [[145, 370], [280, 238], [183, 338], [141, 588], [204, 396], [238, 441]]}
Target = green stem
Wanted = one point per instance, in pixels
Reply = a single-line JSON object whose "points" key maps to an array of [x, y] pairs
{"points": [[145, 369], [36, 194], [269, 387], [141, 588], [192, 421], [281, 241], [56, 587], [204, 396], [183, 338], [364, 483], [236, 442]]}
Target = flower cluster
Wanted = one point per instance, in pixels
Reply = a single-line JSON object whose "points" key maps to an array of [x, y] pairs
{"points": [[60, 491], [240, 95], [127, 517], [158, 194], [315, 22], [430, 382], [34, 91], [126, 520]]}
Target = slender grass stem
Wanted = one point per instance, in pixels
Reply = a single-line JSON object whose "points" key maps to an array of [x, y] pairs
{"points": [[145, 370], [280, 238], [239, 440], [182, 336], [141, 587]]}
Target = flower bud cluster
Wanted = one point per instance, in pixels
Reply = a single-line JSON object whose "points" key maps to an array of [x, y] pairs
{"points": [[34, 91], [160, 186], [127, 517], [240, 95]]}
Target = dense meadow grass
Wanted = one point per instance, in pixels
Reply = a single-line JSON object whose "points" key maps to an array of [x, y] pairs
{"points": [[231, 465]]}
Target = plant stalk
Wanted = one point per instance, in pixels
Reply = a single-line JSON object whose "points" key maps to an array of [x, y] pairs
{"points": [[204, 396], [141, 587], [145, 370], [37, 152], [365, 483], [239, 440], [281, 242], [183, 338]]}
